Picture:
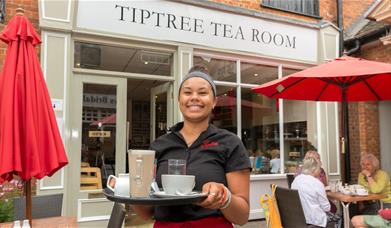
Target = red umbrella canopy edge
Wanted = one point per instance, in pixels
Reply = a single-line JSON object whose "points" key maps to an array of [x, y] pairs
{"points": [[30, 142], [362, 80]]}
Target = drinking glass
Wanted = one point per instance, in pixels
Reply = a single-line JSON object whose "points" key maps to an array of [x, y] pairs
{"points": [[177, 166]]}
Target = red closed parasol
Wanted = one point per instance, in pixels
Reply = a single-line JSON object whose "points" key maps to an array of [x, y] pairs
{"points": [[30, 142]]}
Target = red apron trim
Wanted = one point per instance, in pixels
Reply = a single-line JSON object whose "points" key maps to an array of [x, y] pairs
{"points": [[215, 222]]}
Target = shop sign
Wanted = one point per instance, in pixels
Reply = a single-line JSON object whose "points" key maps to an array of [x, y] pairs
{"points": [[99, 134], [99, 100], [173, 21]]}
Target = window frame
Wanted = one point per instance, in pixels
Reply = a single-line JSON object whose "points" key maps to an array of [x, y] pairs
{"points": [[292, 11]]}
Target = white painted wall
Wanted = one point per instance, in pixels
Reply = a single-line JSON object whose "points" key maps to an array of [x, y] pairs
{"points": [[385, 135]]}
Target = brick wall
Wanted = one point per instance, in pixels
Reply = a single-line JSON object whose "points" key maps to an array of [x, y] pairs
{"points": [[352, 9], [30, 11], [354, 137], [363, 133]]}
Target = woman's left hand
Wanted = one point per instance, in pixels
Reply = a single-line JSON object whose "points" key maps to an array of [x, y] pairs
{"points": [[217, 195]]}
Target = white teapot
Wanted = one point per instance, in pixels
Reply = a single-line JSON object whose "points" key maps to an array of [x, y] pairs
{"points": [[119, 185]]}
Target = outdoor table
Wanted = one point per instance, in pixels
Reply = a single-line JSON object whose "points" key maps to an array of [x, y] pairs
{"points": [[50, 222], [347, 199]]}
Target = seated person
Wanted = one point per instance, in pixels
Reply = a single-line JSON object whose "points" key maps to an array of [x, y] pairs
{"points": [[275, 163], [314, 154], [313, 196], [381, 220], [322, 176], [374, 180]]}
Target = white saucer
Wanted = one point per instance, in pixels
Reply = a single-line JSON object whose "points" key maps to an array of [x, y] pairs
{"points": [[362, 194], [162, 194]]}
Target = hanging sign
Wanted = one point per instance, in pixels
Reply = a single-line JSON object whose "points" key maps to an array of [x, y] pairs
{"points": [[99, 134]]}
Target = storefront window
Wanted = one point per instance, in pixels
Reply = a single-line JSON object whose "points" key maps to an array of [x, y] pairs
{"points": [[121, 59], [295, 130], [219, 69], [224, 113], [260, 123], [257, 74]]}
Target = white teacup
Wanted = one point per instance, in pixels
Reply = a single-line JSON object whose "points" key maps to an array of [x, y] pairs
{"points": [[178, 184], [119, 185], [361, 191]]}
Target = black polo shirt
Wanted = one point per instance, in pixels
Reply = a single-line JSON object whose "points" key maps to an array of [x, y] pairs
{"points": [[214, 153]]}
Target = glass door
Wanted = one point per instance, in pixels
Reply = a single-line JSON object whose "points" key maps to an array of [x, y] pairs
{"points": [[161, 110], [97, 143]]}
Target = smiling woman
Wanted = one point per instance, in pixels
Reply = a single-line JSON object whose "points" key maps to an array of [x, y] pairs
{"points": [[215, 156]]}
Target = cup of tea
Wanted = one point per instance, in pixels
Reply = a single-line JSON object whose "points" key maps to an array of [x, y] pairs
{"points": [[119, 185], [141, 170], [178, 184]]}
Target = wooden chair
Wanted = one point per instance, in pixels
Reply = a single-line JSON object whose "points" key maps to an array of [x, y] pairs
{"points": [[43, 206], [90, 178], [117, 216]]}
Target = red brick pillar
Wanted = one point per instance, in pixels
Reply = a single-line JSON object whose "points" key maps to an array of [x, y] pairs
{"points": [[364, 133]]}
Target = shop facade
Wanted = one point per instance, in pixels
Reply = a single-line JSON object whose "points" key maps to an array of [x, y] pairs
{"points": [[113, 69]]}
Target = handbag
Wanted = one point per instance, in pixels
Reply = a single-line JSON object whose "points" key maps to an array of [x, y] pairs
{"points": [[270, 208]]}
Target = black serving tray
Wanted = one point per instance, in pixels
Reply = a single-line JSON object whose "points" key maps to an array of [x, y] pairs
{"points": [[154, 200]]}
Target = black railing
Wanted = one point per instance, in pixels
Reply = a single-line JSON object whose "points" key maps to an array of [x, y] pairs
{"points": [[303, 7], [2, 11]]}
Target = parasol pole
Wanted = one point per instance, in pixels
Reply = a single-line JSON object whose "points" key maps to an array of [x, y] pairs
{"points": [[27, 186], [345, 139]]}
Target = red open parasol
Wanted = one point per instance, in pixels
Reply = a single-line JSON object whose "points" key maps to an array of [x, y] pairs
{"points": [[30, 142], [344, 79]]}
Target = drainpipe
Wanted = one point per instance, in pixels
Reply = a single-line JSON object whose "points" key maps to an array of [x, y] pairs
{"points": [[354, 49], [340, 25]]}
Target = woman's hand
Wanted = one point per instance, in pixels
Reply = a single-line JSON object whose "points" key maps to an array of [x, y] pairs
{"points": [[366, 173], [217, 195]]}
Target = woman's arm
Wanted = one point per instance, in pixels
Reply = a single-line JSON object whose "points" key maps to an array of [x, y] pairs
{"points": [[237, 211], [322, 199], [378, 182]]}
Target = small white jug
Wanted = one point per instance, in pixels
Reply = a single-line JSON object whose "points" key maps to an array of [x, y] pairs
{"points": [[121, 186]]}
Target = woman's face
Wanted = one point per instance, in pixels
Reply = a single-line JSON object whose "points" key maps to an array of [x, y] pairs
{"points": [[196, 99], [367, 165]]}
